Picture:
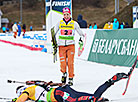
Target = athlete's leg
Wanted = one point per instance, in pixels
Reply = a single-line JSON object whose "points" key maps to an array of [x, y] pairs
{"points": [[19, 33], [70, 55], [101, 89], [68, 94], [107, 84], [62, 56]]}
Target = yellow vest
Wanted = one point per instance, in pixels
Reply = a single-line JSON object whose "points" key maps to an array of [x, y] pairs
{"points": [[66, 31], [35, 91]]}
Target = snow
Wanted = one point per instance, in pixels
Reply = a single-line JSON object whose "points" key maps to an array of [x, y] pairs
{"points": [[20, 64]]}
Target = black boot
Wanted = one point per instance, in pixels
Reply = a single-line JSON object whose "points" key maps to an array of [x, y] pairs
{"points": [[64, 77], [70, 81], [118, 77]]}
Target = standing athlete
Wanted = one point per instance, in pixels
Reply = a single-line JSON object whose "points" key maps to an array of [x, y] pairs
{"points": [[43, 92], [66, 43]]}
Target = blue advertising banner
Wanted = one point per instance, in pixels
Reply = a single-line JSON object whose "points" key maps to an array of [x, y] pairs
{"points": [[54, 11], [48, 4], [58, 5]]}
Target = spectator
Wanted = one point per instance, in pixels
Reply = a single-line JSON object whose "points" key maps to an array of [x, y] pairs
{"points": [[122, 25], [7, 29], [24, 29], [11, 26], [19, 29], [31, 28], [115, 24], [127, 25], [110, 25], [3, 29], [44, 27], [94, 26], [82, 23], [90, 26], [106, 26], [15, 29]]}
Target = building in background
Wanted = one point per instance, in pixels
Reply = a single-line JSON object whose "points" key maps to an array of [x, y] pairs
{"points": [[4, 22]]}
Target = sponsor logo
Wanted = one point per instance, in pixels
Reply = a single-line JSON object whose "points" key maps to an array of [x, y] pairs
{"points": [[66, 95], [61, 3], [66, 26], [115, 46]]}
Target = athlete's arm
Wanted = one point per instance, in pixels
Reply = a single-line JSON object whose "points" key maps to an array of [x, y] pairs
{"points": [[77, 28], [27, 93], [23, 97]]}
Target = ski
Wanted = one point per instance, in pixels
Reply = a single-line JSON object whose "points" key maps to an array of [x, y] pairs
{"points": [[81, 49], [54, 44], [129, 75], [54, 57]]}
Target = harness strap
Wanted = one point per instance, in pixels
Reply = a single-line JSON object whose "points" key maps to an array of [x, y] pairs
{"points": [[40, 96]]}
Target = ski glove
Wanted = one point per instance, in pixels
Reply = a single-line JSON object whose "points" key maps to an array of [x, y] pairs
{"points": [[14, 100]]}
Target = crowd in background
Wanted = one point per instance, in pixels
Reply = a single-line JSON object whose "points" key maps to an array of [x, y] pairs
{"points": [[109, 25], [115, 24], [21, 27]]}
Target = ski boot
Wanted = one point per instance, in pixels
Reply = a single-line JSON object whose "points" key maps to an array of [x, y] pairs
{"points": [[70, 81], [64, 77], [118, 77]]}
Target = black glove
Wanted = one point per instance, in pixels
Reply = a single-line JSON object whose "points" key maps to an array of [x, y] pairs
{"points": [[80, 43], [80, 40]]}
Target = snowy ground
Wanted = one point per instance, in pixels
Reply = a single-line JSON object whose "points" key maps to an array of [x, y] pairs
{"points": [[21, 64]]}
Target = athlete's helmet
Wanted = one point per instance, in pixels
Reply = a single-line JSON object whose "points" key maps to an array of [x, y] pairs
{"points": [[66, 9], [19, 90]]}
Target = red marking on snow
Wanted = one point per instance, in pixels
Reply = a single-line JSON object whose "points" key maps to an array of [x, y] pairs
{"points": [[22, 45]]}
